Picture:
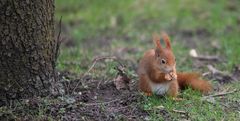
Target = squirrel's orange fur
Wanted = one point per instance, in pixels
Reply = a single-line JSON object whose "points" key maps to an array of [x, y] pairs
{"points": [[157, 72]]}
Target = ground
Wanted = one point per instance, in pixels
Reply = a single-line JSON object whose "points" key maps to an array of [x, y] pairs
{"points": [[123, 29]]}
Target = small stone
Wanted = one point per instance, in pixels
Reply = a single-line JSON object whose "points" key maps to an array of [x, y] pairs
{"points": [[193, 53]]}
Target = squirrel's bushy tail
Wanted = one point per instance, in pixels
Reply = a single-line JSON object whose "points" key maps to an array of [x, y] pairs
{"points": [[194, 81]]}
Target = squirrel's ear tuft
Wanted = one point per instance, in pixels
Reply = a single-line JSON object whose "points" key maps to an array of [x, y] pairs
{"points": [[166, 40], [156, 40]]}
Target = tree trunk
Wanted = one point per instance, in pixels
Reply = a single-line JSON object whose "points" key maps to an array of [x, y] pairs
{"points": [[27, 48]]}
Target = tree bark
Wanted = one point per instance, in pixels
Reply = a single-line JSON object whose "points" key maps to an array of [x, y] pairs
{"points": [[27, 48]]}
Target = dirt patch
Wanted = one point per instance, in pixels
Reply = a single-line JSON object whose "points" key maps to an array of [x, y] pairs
{"points": [[236, 72], [101, 100], [193, 38], [91, 100], [100, 42], [232, 5], [105, 103]]}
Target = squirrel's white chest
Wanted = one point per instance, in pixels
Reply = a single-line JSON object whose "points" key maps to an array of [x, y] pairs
{"points": [[159, 89]]}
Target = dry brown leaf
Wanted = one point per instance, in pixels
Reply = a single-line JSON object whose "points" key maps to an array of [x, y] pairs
{"points": [[122, 80]]}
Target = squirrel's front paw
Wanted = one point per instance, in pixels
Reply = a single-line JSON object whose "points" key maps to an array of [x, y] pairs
{"points": [[168, 77], [173, 75]]}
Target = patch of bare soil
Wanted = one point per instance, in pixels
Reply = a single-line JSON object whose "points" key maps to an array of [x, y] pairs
{"points": [[193, 38], [112, 105], [101, 100], [103, 41], [90, 100]]}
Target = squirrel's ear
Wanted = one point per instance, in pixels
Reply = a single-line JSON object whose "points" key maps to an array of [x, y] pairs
{"points": [[156, 41], [166, 40]]}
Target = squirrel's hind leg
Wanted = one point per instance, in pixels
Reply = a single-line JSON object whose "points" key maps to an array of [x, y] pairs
{"points": [[173, 89], [144, 85]]}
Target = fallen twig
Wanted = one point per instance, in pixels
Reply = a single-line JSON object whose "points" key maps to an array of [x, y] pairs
{"points": [[179, 111], [193, 53], [206, 73], [221, 94], [92, 66], [213, 102], [216, 71], [95, 61], [208, 57], [99, 83]]}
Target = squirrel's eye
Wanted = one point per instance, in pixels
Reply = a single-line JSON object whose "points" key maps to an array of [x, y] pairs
{"points": [[163, 61]]}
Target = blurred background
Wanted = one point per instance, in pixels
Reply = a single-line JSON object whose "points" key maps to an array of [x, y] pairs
{"points": [[123, 28]]}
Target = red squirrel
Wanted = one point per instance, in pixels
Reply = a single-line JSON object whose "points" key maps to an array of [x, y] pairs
{"points": [[158, 75]]}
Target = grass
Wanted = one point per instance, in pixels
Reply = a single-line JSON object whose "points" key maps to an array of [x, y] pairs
{"points": [[194, 107], [130, 23]]}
